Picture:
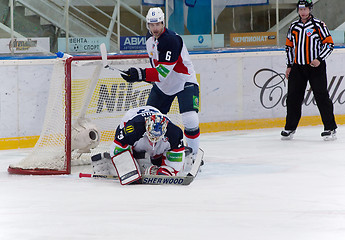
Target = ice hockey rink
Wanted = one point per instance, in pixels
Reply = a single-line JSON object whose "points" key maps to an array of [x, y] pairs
{"points": [[253, 186]]}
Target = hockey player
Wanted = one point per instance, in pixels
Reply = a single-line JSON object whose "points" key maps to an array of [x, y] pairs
{"points": [[145, 142], [172, 74]]}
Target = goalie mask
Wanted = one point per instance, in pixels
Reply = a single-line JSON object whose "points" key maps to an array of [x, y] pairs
{"points": [[154, 15], [156, 127]]}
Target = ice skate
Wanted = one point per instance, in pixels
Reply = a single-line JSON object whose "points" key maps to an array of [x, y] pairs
{"points": [[329, 135], [287, 134]]}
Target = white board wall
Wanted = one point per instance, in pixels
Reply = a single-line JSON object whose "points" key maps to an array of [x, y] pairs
{"points": [[234, 86]]}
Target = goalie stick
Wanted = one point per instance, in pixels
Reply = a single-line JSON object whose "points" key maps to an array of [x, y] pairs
{"points": [[148, 179], [104, 55], [161, 179]]}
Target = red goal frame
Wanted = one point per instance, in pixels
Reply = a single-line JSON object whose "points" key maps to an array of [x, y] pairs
{"points": [[68, 115]]}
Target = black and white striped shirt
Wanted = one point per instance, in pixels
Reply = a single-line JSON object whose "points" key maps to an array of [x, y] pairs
{"points": [[309, 41]]}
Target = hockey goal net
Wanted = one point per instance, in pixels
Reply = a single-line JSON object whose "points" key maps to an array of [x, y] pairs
{"points": [[85, 105]]}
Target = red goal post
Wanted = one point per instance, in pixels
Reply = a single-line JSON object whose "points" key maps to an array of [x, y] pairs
{"points": [[85, 99]]}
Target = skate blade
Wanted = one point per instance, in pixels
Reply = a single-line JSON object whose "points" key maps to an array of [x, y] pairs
{"points": [[287, 138], [330, 138]]}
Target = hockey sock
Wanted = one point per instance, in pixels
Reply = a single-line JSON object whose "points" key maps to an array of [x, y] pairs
{"points": [[193, 139]]}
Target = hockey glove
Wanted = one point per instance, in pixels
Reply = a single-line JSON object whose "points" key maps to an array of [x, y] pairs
{"points": [[134, 75], [162, 170]]}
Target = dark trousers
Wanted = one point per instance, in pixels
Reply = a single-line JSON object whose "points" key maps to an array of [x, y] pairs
{"points": [[297, 83], [188, 99]]}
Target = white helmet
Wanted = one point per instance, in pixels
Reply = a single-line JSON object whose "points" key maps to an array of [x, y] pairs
{"points": [[154, 15]]}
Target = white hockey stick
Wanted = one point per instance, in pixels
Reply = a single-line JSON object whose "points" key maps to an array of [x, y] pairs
{"points": [[104, 55]]}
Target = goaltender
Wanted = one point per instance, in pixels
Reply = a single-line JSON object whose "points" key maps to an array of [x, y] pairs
{"points": [[146, 141]]}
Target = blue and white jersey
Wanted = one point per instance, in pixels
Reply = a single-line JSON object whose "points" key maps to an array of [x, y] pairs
{"points": [[171, 63], [131, 134]]}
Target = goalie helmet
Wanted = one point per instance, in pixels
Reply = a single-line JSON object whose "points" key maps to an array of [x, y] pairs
{"points": [[156, 127], [154, 15], [304, 4]]}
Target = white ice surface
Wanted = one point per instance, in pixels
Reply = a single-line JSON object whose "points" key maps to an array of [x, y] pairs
{"points": [[253, 186]]}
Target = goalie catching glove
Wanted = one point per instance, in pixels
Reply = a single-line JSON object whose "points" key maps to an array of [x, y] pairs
{"points": [[134, 75], [162, 170]]}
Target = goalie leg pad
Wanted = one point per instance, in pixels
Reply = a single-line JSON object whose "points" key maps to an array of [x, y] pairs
{"points": [[144, 163], [102, 164], [127, 167], [188, 162]]}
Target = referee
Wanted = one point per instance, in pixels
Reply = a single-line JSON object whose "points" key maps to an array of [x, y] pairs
{"points": [[308, 44]]}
